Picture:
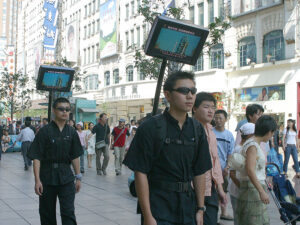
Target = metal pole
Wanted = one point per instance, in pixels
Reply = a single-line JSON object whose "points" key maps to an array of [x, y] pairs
{"points": [[49, 105], [158, 86]]}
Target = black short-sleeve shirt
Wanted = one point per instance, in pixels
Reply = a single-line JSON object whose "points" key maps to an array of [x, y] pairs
{"points": [[101, 132], [54, 146], [173, 163]]}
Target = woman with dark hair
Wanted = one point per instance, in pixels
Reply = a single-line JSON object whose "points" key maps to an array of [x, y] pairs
{"points": [[251, 206], [290, 144]]}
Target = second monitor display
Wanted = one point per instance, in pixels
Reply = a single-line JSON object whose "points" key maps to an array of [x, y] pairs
{"points": [[55, 79], [181, 43]]}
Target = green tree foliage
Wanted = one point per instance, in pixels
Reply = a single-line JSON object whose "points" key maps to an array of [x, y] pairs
{"points": [[149, 9], [15, 92]]}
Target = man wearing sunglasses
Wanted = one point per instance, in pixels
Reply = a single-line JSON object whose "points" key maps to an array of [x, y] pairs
{"points": [[163, 176], [54, 148]]}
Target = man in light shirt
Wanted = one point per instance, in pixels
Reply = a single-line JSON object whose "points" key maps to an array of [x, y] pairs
{"points": [[26, 136]]}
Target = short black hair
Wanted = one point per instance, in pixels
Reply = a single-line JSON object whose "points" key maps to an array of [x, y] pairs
{"points": [[27, 118], [221, 111], [27, 123], [60, 100], [134, 128], [204, 96], [132, 121], [45, 119], [264, 125], [170, 82], [252, 109], [101, 115]]}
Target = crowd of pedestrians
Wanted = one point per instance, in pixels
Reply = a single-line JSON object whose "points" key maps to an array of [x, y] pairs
{"points": [[181, 163]]}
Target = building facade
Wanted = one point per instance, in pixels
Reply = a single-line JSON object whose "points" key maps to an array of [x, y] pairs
{"points": [[256, 62]]}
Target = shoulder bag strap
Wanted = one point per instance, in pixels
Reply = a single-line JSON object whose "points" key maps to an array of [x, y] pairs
{"points": [[118, 136]]}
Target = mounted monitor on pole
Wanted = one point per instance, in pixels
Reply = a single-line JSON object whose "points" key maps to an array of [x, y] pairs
{"points": [[54, 78], [174, 40]]}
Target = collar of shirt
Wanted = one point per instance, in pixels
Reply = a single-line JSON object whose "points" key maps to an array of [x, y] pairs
{"points": [[171, 119], [53, 124]]}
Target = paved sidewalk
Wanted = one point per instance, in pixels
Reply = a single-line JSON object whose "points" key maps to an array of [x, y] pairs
{"points": [[102, 200]]}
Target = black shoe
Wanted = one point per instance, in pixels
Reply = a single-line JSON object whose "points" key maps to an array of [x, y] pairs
{"points": [[81, 171], [26, 168], [104, 172], [99, 173]]}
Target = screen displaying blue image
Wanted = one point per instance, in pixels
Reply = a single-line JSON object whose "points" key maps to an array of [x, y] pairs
{"points": [[55, 80], [177, 41]]}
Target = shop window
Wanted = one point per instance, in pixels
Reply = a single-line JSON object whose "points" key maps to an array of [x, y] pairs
{"points": [[273, 46], [129, 73], [210, 11], [217, 56], [221, 9], [247, 51], [134, 89], [91, 82], [141, 75], [201, 14], [123, 91], [116, 76], [127, 12], [107, 78], [192, 14], [199, 64]]}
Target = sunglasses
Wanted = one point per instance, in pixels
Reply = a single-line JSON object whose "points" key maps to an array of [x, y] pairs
{"points": [[185, 90], [61, 109]]}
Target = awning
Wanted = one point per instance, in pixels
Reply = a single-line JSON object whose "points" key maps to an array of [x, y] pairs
{"points": [[88, 110]]}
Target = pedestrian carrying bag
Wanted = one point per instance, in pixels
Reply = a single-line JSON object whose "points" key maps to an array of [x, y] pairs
{"points": [[101, 144], [117, 137]]}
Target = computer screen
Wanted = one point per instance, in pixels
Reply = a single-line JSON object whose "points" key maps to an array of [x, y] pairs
{"points": [[175, 40], [52, 78]]}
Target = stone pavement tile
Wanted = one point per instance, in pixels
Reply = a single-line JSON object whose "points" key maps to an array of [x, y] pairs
{"points": [[130, 221], [14, 195], [91, 217], [29, 213], [13, 222], [24, 205], [104, 208], [9, 215]]}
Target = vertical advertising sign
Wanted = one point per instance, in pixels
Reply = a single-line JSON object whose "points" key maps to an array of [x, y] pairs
{"points": [[37, 54], [71, 42], [50, 31], [108, 29]]}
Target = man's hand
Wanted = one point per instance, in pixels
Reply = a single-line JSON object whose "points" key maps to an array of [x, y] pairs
{"points": [[222, 197], [150, 221], [199, 217], [38, 188], [77, 185], [225, 172]]}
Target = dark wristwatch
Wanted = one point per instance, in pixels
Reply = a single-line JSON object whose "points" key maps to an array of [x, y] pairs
{"points": [[201, 209]]}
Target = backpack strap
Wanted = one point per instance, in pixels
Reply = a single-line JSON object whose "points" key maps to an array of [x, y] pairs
{"points": [[196, 134], [161, 132]]}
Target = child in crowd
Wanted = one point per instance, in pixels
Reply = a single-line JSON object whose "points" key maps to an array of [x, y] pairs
{"points": [[5, 140]]}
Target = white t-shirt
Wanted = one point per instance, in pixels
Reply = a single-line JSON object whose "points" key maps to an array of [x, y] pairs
{"points": [[232, 188], [290, 136]]}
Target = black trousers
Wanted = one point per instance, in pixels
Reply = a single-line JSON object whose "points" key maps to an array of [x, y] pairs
{"points": [[163, 222], [24, 149], [47, 208], [210, 216]]}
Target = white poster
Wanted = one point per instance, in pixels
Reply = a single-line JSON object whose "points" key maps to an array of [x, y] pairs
{"points": [[71, 42]]}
